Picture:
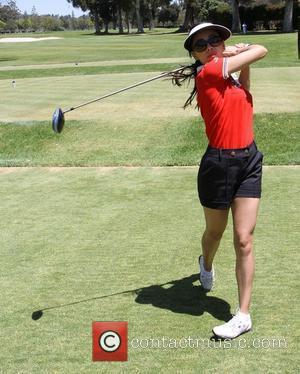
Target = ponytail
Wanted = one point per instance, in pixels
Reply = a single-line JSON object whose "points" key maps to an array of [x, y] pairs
{"points": [[187, 73]]}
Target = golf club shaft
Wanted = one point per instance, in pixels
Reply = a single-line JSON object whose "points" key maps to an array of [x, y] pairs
{"points": [[123, 89]]}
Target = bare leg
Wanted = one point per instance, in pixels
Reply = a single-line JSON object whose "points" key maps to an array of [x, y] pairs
{"points": [[244, 213], [216, 221]]}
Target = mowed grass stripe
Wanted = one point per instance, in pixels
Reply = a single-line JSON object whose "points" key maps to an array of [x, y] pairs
{"points": [[274, 90], [143, 142], [63, 234], [175, 60], [144, 126], [77, 70], [85, 47], [86, 70]]}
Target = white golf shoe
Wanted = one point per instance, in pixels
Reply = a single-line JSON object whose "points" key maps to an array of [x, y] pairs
{"points": [[239, 324], [207, 278]]}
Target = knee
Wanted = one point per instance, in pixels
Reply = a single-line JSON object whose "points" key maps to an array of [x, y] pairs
{"points": [[243, 243], [214, 235]]}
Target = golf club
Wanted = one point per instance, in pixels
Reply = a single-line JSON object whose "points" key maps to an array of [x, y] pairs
{"points": [[58, 118]]}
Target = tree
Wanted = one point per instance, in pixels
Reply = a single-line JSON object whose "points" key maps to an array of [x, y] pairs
{"points": [[236, 22], [189, 17], [200, 11], [84, 23], [116, 11], [35, 19], [106, 11], [168, 14], [9, 14], [92, 6], [127, 7], [120, 18], [2, 25], [288, 16], [151, 12], [24, 23], [139, 19], [50, 23]]}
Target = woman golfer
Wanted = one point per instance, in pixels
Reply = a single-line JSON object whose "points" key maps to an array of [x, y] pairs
{"points": [[230, 170]]}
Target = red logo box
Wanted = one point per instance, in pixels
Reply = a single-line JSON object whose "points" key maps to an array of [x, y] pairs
{"points": [[110, 341]]}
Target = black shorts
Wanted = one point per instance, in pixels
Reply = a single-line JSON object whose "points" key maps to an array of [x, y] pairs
{"points": [[225, 174]]}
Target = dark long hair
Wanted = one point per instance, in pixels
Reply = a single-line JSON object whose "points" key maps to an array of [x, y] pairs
{"points": [[187, 73]]}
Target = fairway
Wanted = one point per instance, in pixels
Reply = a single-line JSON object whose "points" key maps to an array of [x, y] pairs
{"points": [[34, 99], [72, 236], [102, 222]]}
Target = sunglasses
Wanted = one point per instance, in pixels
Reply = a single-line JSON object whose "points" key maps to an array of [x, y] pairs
{"points": [[202, 44]]}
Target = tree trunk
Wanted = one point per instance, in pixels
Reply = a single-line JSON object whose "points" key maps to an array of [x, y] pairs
{"points": [[127, 22], [188, 18], [120, 21], [97, 23], [138, 16], [236, 22], [288, 16], [106, 24], [151, 20], [298, 38], [115, 16]]}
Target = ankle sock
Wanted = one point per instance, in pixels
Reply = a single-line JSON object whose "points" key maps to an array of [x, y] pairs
{"points": [[243, 315]]}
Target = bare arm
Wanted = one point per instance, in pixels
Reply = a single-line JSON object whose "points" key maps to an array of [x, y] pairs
{"points": [[244, 77], [243, 55], [240, 57]]}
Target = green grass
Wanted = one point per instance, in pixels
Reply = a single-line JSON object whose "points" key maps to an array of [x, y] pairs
{"points": [[139, 143], [88, 70], [86, 47], [144, 126], [274, 90], [73, 236]]}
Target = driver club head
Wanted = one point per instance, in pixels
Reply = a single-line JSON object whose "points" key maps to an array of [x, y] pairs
{"points": [[58, 120]]}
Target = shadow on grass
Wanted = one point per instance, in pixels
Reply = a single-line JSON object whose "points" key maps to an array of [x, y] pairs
{"points": [[179, 296], [134, 33], [182, 296], [263, 32], [5, 59]]}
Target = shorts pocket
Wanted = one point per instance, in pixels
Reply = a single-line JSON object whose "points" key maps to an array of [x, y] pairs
{"points": [[212, 179]]}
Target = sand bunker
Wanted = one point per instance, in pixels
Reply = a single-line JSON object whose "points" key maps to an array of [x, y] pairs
{"points": [[26, 40]]}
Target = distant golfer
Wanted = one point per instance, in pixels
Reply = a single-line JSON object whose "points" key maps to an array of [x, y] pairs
{"points": [[231, 169], [244, 28]]}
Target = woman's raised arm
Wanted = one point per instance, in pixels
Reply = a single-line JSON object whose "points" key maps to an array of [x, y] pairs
{"points": [[240, 57]]}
